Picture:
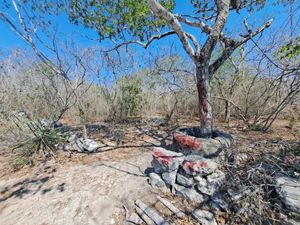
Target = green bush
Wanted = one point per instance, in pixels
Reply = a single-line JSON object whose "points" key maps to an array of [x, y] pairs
{"points": [[131, 96]]}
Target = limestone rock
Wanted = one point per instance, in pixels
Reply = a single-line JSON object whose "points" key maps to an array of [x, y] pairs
{"points": [[217, 178], [171, 207], [81, 145], [204, 217], [188, 141], [197, 165], [169, 177], [204, 187], [210, 185], [218, 199], [90, 145], [165, 161], [190, 194], [156, 181], [135, 219], [184, 179], [289, 191], [151, 213]]}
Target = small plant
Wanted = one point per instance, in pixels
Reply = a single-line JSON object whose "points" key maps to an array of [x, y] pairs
{"points": [[39, 139]]}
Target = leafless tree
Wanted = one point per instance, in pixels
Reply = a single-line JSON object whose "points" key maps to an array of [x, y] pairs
{"points": [[67, 67]]}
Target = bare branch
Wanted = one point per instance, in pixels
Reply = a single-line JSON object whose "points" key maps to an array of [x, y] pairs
{"points": [[161, 12], [144, 45], [230, 49], [25, 35], [195, 42], [213, 37], [199, 24]]}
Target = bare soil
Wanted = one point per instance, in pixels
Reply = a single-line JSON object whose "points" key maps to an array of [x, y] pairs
{"points": [[95, 188]]}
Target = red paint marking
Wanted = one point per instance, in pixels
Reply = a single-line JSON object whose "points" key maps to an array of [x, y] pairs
{"points": [[203, 164], [158, 153], [162, 158], [203, 104], [190, 165], [187, 142], [165, 160]]}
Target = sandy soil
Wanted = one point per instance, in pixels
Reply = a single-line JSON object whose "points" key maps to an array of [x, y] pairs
{"points": [[81, 194]]}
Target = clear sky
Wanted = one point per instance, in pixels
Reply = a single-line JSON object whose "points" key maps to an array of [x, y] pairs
{"points": [[10, 41]]}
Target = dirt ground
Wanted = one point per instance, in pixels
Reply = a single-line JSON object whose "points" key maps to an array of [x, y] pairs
{"points": [[95, 188]]}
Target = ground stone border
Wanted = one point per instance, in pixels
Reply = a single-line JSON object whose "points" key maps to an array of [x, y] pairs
{"points": [[186, 141]]}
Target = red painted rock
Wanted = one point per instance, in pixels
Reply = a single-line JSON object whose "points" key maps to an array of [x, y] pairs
{"points": [[184, 141], [165, 161], [197, 165], [206, 147]]}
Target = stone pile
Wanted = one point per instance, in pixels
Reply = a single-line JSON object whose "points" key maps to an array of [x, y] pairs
{"points": [[79, 144], [192, 171], [193, 177]]}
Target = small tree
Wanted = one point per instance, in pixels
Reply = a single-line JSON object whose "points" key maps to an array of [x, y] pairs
{"points": [[131, 99], [133, 22]]}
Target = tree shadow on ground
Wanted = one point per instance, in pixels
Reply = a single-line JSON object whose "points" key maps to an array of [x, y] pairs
{"points": [[161, 139], [31, 186]]}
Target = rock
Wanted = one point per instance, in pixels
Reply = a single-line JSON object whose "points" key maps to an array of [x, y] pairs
{"points": [[72, 138], [184, 179], [217, 198], [204, 187], [135, 219], [217, 178], [190, 194], [78, 145], [188, 141], [90, 145], [144, 216], [81, 145], [204, 217], [214, 206], [225, 139], [151, 213], [156, 181], [50, 123], [171, 207], [210, 185], [289, 191], [66, 147], [165, 161], [197, 165], [169, 177]]}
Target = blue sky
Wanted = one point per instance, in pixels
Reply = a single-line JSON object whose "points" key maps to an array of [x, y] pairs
{"points": [[10, 41]]}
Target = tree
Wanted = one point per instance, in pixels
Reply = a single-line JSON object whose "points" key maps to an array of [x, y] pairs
{"points": [[129, 21]]}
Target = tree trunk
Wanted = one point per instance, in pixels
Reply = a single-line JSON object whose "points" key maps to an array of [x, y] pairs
{"points": [[204, 101], [227, 111]]}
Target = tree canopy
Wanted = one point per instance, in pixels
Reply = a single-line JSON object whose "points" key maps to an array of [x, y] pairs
{"points": [[124, 19]]}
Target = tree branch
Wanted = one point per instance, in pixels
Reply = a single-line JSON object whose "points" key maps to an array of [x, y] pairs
{"points": [[205, 28], [144, 45], [25, 35], [195, 42], [216, 30], [160, 11], [229, 49]]}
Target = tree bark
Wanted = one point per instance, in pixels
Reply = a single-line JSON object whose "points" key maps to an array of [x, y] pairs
{"points": [[227, 111], [204, 100]]}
